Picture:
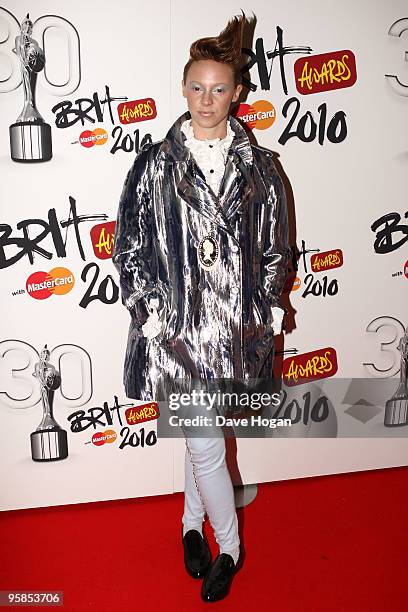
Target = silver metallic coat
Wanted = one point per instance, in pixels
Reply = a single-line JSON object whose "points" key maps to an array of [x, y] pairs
{"points": [[217, 323]]}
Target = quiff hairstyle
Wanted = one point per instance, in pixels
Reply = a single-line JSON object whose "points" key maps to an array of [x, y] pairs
{"points": [[224, 48]]}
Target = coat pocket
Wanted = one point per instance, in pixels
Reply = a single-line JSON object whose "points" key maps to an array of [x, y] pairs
{"points": [[260, 337], [262, 311]]}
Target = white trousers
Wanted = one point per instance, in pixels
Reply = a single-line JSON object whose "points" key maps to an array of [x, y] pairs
{"points": [[208, 488]]}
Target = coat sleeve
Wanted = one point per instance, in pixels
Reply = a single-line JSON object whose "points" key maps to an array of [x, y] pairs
{"points": [[277, 252], [133, 252]]}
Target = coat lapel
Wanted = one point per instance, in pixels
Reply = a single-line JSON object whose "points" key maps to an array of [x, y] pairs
{"points": [[235, 188], [221, 209], [191, 185], [194, 190]]}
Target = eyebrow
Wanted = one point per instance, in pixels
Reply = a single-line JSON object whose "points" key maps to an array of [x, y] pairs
{"points": [[215, 84]]}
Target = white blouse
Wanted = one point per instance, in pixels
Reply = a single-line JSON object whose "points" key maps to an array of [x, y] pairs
{"points": [[210, 155]]}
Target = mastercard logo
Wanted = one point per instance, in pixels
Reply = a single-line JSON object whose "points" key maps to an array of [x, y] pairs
{"points": [[296, 284], [89, 138], [259, 115], [406, 269], [292, 283], [58, 281], [104, 437]]}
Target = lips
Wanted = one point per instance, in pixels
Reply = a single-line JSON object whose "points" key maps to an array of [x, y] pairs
{"points": [[205, 114]]}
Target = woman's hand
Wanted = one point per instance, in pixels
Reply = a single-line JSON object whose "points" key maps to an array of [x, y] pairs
{"points": [[152, 327], [278, 314]]}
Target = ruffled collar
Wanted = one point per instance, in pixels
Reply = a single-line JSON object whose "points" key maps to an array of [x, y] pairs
{"points": [[196, 144], [173, 148]]}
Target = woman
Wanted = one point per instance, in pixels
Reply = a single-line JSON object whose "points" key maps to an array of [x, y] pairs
{"points": [[202, 249]]}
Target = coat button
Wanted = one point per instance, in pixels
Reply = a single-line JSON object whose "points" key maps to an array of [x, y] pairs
{"points": [[234, 248], [234, 289]]}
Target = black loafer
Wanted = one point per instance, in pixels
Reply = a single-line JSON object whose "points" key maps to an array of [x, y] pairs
{"points": [[197, 554], [218, 580]]}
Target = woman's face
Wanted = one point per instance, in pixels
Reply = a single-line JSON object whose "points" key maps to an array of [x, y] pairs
{"points": [[210, 90]]}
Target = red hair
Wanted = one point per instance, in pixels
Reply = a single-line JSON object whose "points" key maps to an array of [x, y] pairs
{"points": [[224, 48]]}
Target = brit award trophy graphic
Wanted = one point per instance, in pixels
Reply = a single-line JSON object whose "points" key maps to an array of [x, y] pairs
{"points": [[396, 408], [30, 136], [49, 441]]}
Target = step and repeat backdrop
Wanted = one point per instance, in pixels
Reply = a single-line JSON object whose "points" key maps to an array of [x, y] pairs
{"points": [[83, 86]]}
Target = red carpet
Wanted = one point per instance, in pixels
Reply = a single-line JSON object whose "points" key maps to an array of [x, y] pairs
{"points": [[312, 545]]}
